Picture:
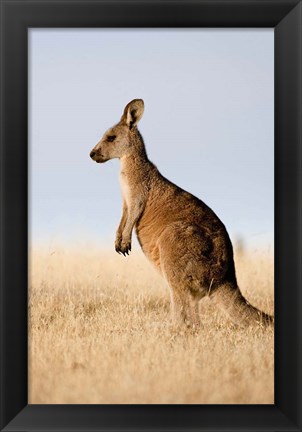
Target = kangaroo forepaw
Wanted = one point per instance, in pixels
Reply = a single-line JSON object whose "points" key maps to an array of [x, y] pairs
{"points": [[118, 242], [123, 247]]}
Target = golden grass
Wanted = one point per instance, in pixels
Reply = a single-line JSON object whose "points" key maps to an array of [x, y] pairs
{"points": [[99, 333]]}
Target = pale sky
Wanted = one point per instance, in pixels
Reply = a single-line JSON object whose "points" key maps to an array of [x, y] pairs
{"points": [[208, 124]]}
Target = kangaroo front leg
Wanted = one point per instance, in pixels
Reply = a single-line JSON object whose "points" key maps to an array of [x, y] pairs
{"points": [[134, 212], [119, 232]]}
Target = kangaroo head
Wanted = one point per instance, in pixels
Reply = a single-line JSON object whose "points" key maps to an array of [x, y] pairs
{"points": [[120, 140]]}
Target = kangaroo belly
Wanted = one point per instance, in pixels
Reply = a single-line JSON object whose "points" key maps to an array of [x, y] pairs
{"points": [[189, 223], [159, 214], [148, 241], [148, 230], [193, 242]]}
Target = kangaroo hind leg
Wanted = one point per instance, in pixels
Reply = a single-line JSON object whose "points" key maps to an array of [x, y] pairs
{"points": [[180, 266], [184, 307]]}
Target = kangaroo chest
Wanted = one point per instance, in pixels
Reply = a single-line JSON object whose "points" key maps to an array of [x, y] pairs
{"points": [[125, 188]]}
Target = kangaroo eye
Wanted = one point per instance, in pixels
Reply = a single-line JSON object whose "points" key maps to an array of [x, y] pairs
{"points": [[111, 138]]}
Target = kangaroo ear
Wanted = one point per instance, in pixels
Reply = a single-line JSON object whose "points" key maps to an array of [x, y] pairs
{"points": [[133, 112]]}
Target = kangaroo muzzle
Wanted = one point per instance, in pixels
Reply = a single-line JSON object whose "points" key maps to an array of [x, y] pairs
{"points": [[97, 157]]}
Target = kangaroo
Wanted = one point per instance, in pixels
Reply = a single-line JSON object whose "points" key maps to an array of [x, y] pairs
{"points": [[179, 234]]}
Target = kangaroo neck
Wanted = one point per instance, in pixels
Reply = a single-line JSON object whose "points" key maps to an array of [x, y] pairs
{"points": [[135, 166]]}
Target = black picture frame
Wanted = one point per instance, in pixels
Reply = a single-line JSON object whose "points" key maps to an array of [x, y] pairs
{"points": [[19, 15]]}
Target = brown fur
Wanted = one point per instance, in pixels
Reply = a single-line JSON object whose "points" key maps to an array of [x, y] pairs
{"points": [[179, 233]]}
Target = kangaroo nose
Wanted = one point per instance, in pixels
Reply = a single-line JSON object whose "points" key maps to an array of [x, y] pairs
{"points": [[92, 154]]}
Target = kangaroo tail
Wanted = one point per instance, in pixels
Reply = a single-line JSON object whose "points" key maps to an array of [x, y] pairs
{"points": [[229, 298]]}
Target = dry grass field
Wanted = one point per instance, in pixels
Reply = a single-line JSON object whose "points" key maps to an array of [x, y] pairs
{"points": [[100, 333]]}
